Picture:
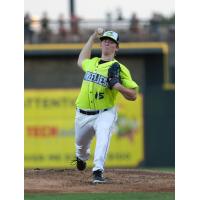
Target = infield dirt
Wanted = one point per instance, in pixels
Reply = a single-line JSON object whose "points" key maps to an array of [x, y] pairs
{"points": [[118, 180]]}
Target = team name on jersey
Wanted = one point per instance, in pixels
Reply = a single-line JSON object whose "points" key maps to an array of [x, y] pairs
{"points": [[96, 78]]}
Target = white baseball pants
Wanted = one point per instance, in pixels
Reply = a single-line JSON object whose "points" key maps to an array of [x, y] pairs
{"points": [[86, 127]]}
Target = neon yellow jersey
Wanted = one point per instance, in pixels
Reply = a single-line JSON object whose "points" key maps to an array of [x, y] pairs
{"points": [[95, 93]]}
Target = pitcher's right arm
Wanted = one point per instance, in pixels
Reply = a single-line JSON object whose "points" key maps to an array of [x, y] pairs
{"points": [[86, 50]]}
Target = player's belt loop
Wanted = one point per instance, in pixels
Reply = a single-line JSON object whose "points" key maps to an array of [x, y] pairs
{"points": [[90, 112]]}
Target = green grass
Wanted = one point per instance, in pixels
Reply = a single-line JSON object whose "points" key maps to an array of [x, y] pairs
{"points": [[104, 196], [160, 169]]}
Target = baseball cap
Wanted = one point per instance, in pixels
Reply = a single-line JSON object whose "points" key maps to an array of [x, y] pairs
{"points": [[112, 35]]}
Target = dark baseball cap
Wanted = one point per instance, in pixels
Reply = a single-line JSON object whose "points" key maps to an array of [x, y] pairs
{"points": [[111, 35]]}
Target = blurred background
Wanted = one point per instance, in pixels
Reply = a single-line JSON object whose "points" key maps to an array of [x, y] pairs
{"points": [[54, 33]]}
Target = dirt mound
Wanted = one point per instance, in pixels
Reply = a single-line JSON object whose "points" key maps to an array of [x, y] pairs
{"points": [[119, 180]]}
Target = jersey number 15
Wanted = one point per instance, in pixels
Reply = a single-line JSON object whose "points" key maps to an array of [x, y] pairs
{"points": [[99, 95]]}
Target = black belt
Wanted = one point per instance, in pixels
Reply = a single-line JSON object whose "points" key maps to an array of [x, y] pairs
{"points": [[91, 112]]}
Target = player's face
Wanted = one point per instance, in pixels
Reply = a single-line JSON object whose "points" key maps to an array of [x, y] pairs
{"points": [[108, 46]]}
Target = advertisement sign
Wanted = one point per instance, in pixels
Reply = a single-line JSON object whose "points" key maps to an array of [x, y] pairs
{"points": [[49, 130]]}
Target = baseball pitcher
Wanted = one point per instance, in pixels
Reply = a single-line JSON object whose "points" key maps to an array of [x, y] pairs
{"points": [[96, 112]]}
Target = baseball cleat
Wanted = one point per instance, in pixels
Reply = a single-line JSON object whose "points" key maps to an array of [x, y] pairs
{"points": [[80, 164], [98, 177]]}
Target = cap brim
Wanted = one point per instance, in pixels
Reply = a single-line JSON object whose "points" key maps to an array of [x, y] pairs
{"points": [[104, 37]]}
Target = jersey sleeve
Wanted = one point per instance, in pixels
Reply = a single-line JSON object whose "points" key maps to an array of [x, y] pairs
{"points": [[127, 80], [89, 64], [85, 64]]}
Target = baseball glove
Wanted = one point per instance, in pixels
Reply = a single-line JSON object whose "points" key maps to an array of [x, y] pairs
{"points": [[114, 75]]}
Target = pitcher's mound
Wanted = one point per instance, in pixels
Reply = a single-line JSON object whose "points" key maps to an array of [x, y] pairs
{"points": [[118, 180]]}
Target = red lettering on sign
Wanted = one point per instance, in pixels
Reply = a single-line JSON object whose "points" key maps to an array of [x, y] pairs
{"points": [[42, 131]]}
